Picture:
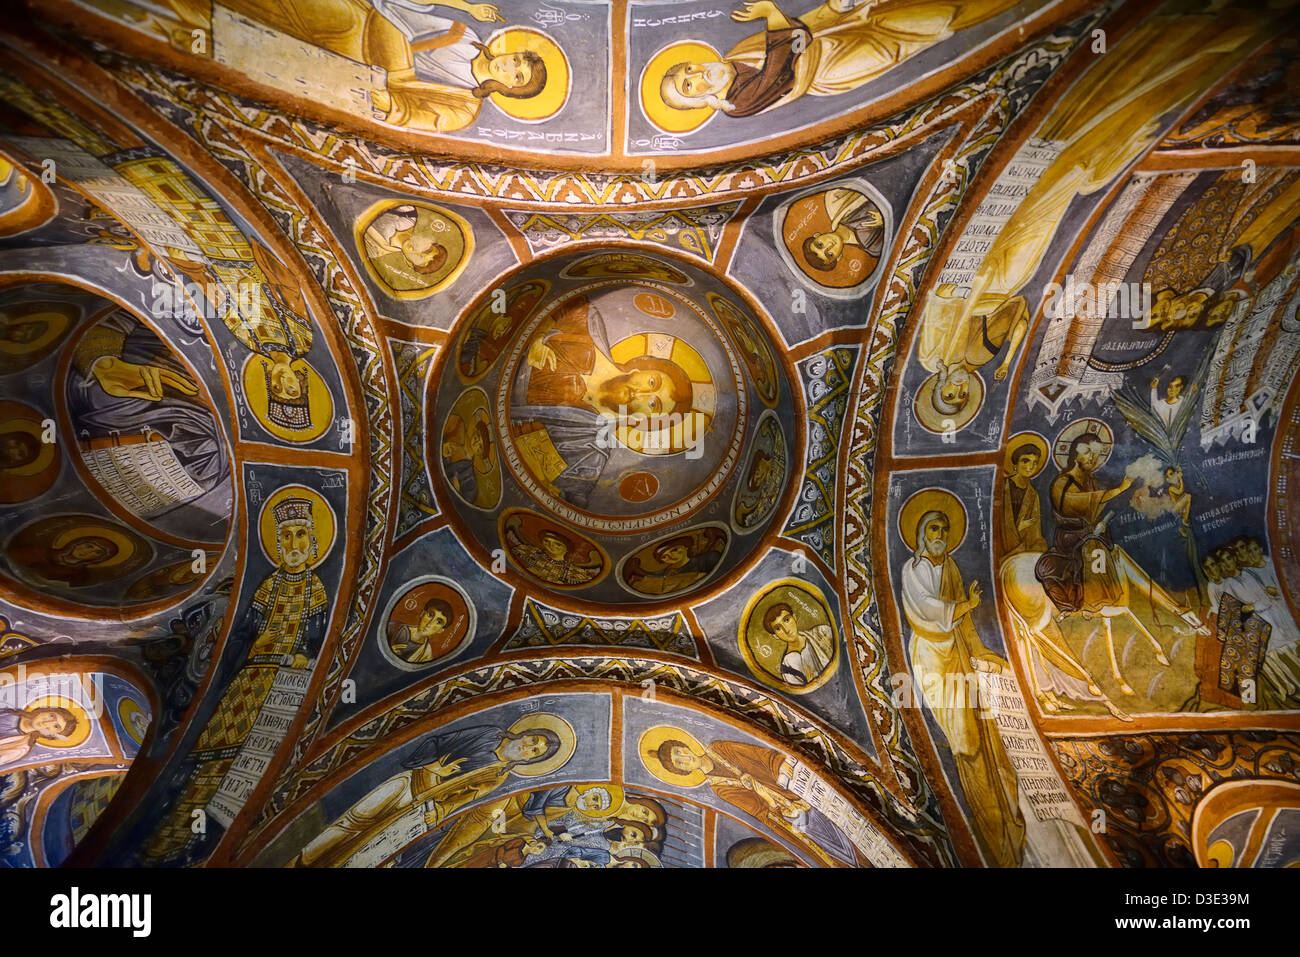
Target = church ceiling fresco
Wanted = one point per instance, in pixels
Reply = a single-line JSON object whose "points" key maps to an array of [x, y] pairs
{"points": [[633, 433], [71, 730]]}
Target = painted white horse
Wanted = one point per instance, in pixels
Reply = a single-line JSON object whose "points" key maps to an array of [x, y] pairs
{"points": [[1040, 615], [1041, 647]]}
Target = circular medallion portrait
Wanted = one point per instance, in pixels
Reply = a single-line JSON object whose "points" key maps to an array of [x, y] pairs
{"points": [[677, 564], [615, 412], [28, 464], [607, 379], [753, 346], [788, 636], [552, 554], [833, 239], [135, 719], [625, 266], [469, 454], [764, 476], [170, 579], [30, 331], [412, 250], [76, 551], [492, 325], [428, 620]]}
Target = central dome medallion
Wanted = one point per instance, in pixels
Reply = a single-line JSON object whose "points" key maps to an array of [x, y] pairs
{"points": [[615, 425]]}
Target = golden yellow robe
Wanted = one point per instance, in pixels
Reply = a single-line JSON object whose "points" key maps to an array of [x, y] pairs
{"points": [[355, 30], [941, 652], [1104, 123], [413, 801], [849, 49], [1015, 539], [291, 610]]}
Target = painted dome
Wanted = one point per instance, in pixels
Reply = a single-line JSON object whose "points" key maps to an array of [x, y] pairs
{"points": [[109, 441], [821, 434], [615, 426]]}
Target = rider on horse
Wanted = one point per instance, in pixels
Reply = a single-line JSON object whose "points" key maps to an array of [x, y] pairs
{"points": [[1078, 572]]}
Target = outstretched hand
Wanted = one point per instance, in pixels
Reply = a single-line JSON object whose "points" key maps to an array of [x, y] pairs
{"points": [[759, 10], [128, 380], [485, 12]]}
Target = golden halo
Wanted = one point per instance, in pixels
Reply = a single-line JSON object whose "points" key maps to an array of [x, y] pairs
{"points": [[767, 596], [761, 365], [616, 799], [125, 547], [322, 517], [648, 748], [127, 708], [57, 317], [684, 431], [1026, 438], [650, 857], [320, 403], [932, 420], [548, 722], [43, 459], [528, 524], [1229, 799], [79, 734], [1221, 854], [559, 78], [933, 500], [1061, 447], [457, 230], [757, 852], [663, 116], [806, 217]]}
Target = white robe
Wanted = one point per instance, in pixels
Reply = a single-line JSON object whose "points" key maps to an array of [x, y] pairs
{"points": [[931, 619], [449, 62], [1251, 589], [816, 654], [1166, 411]]}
